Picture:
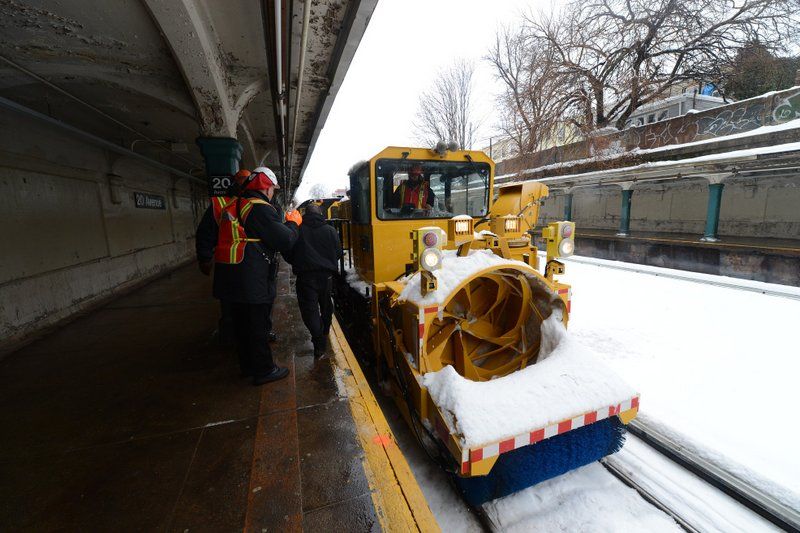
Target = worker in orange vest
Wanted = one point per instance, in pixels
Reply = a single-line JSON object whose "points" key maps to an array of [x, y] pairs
{"points": [[241, 235], [415, 192]]}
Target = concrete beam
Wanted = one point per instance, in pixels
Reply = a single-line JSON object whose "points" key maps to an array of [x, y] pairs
{"points": [[716, 179], [355, 24], [93, 139], [195, 48]]}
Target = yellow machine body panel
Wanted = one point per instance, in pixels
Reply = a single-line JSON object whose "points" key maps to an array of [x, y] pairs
{"points": [[519, 199], [341, 216]]}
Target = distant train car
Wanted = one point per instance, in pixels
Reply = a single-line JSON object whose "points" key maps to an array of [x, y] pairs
{"points": [[329, 206]]}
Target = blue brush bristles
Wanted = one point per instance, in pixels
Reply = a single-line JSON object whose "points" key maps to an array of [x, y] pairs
{"points": [[527, 466]]}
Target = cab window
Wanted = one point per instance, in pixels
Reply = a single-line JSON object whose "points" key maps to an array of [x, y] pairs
{"points": [[359, 194], [414, 189]]}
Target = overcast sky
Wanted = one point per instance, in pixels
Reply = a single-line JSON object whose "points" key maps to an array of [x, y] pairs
{"points": [[406, 44]]}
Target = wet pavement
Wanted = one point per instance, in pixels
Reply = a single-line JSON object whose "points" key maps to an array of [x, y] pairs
{"points": [[133, 418]]}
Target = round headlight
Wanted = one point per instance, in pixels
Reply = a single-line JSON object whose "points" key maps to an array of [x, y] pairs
{"points": [[431, 259], [430, 239], [566, 248], [566, 230]]}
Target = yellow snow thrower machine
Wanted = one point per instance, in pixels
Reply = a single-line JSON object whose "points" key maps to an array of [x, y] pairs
{"points": [[467, 330]]}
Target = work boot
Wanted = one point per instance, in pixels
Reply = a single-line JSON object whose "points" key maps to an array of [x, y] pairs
{"points": [[272, 336], [319, 347], [277, 373]]}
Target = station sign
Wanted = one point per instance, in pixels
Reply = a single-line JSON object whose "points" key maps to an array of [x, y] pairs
{"points": [[218, 185], [143, 200]]}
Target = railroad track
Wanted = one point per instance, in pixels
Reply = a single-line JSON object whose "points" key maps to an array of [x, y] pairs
{"points": [[704, 279], [745, 494]]}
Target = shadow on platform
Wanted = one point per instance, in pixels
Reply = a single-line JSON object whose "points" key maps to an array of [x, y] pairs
{"points": [[134, 418]]}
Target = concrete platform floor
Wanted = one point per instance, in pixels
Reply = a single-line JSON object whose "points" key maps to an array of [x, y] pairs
{"points": [[133, 418]]}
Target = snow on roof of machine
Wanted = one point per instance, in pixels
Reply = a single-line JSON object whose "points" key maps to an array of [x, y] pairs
{"points": [[567, 381]]}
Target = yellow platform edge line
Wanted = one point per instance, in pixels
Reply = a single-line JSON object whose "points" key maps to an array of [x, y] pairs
{"points": [[398, 499]]}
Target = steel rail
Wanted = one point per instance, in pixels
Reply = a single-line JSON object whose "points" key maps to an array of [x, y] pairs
{"points": [[648, 496], [754, 499]]}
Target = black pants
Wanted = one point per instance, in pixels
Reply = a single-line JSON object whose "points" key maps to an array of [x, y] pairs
{"points": [[316, 306], [252, 324]]}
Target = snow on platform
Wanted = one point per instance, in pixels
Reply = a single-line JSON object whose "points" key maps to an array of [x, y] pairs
{"points": [[566, 382], [587, 499], [717, 367]]}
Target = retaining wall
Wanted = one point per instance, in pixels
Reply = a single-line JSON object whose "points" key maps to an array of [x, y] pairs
{"points": [[737, 117], [72, 233], [765, 207]]}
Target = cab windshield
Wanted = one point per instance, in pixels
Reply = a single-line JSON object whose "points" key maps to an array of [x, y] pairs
{"points": [[431, 189]]}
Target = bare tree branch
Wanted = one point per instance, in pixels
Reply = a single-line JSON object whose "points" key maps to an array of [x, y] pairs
{"points": [[607, 58], [445, 111]]}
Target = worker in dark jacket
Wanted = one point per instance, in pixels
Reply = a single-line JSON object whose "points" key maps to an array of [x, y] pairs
{"points": [[241, 236], [314, 260]]}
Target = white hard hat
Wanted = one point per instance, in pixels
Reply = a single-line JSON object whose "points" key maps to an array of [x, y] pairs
{"points": [[270, 174]]}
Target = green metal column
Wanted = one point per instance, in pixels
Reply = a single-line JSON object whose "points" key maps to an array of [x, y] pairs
{"points": [[625, 213], [222, 156], [568, 207], [712, 213]]}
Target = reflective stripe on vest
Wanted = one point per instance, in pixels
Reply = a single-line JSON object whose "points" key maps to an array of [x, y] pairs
{"points": [[415, 198], [232, 239]]}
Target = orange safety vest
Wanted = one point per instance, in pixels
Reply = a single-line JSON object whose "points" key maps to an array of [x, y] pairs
{"points": [[413, 196], [230, 214]]}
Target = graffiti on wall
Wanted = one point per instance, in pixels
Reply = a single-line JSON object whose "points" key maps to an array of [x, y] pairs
{"points": [[665, 132], [730, 121], [725, 120], [787, 108], [734, 118], [697, 126]]}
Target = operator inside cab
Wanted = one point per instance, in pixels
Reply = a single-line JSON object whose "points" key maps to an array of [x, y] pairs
{"points": [[414, 193]]}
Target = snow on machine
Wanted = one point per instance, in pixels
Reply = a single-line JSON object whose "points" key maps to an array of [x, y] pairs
{"points": [[467, 332]]}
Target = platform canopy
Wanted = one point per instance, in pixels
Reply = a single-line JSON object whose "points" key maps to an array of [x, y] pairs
{"points": [[154, 75]]}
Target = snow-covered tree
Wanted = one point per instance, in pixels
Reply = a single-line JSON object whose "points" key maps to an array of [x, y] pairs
{"points": [[319, 190]]}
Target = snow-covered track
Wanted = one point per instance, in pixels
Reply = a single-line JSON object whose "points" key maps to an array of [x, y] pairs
{"points": [[757, 501], [770, 289], [651, 498]]}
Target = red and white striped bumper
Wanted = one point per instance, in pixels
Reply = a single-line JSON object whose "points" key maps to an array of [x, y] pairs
{"points": [[474, 455]]}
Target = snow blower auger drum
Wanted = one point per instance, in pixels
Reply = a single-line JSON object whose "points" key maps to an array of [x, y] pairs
{"points": [[482, 362]]}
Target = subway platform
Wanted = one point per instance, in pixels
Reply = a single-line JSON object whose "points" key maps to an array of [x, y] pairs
{"points": [[133, 418]]}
